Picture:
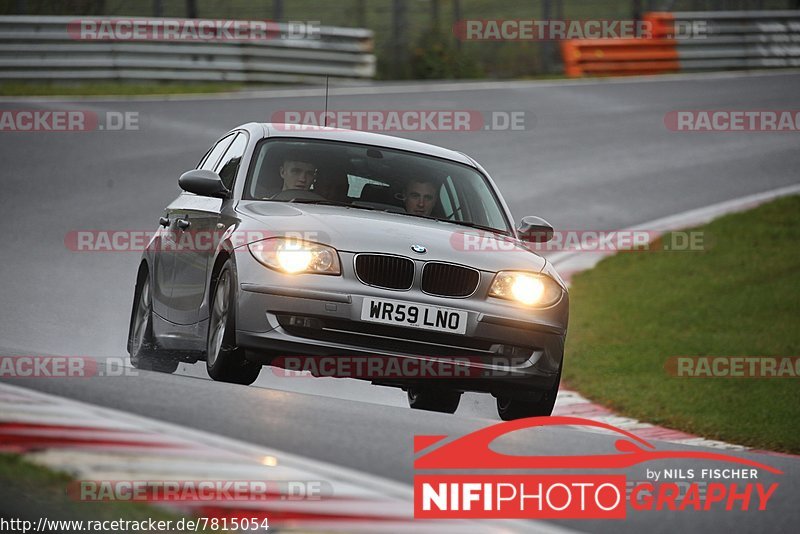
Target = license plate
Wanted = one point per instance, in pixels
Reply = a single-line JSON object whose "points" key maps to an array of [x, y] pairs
{"points": [[414, 315]]}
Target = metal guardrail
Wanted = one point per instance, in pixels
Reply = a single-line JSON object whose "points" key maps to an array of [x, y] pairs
{"points": [[732, 39], [42, 48], [691, 41]]}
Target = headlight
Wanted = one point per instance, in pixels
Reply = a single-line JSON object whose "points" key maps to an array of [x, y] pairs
{"points": [[294, 256], [531, 289]]}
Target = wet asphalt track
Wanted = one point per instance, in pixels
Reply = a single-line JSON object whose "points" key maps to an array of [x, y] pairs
{"points": [[594, 156]]}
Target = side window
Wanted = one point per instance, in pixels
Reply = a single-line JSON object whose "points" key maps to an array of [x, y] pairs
{"points": [[213, 155], [229, 164]]}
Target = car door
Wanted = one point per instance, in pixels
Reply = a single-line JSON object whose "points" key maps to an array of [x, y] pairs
{"points": [[197, 246], [189, 230], [163, 258]]}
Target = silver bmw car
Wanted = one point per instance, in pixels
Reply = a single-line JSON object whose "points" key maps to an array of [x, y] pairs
{"points": [[292, 244]]}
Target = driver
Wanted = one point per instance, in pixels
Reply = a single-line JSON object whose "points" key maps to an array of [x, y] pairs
{"points": [[297, 171], [420, 196]]}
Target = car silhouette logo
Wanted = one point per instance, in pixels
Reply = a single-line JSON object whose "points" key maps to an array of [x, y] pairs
{"points": [[419, 249], [473, 451]]}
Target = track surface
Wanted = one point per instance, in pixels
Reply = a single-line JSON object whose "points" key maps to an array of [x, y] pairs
{"points": [[594, 156]]}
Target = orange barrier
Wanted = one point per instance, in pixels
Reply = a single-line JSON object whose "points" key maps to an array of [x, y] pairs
{"points": [[692, 41], [615, 57], [662, 24]]}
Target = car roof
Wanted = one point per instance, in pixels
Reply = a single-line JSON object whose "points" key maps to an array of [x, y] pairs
{"points": [[268, 129]]}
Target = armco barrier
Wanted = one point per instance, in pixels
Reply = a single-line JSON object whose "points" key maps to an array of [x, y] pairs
{"points": [[41, 48], [616, 57], [690, 41]]}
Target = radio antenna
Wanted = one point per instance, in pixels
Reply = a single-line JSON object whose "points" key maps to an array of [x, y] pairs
{"points": [[325, 115]]}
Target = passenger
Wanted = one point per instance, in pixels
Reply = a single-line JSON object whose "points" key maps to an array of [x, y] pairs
{"points": [[420, 196]]}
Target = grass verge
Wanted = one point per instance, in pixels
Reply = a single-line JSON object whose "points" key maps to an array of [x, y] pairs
{"points": [[29, 491], [105, 88], [740, 296]]}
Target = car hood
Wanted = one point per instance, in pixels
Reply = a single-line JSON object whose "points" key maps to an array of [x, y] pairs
{"points": [[356, 230]]}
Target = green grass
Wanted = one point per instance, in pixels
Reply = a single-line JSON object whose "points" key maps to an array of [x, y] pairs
{"points": [[739, 297], [29, 491], [111, 88], [32, 483]]}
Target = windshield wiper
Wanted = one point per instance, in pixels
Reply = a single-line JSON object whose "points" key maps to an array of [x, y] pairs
{"points": [[475, 225]]}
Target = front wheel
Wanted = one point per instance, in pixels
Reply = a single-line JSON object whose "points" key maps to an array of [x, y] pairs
{"points": [[510, 408], [225, 362], [142, 346], [433, 400]]}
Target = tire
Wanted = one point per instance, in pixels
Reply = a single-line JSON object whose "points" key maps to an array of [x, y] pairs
{"points": [[142, 346], [510, 408], [225, 361], [433, 400]]}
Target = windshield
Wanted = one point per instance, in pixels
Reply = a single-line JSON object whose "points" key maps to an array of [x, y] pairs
{"points": [[366, 177]]}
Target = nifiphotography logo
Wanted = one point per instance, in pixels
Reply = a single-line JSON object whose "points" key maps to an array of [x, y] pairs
{"points": [[500, 492]]}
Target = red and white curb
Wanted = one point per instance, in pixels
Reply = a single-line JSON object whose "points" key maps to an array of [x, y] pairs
{"points": [[569, 263], [91, 443]]}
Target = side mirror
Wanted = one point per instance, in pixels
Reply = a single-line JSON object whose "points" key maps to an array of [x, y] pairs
{"points": [[204, 183], [535, 230]]}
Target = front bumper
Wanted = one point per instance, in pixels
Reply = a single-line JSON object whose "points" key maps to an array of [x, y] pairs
{"points": [[506, 348]]}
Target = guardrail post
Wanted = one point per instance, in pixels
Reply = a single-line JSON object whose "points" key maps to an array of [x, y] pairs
{"points": [[456, 18]]}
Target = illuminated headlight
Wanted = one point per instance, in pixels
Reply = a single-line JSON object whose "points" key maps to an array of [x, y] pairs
{"points": [[531, 289], [294, 256]]}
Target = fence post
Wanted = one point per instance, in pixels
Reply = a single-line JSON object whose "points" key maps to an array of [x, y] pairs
{"points": [[456, 18], [399, 33], [636, 9], [361, 13], [546, 46], [191, 9]]}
